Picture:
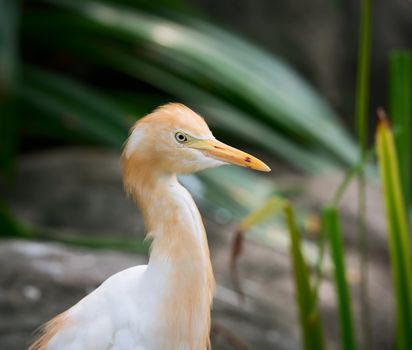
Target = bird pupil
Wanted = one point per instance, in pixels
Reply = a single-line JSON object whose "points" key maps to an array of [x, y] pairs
{"points": [[181, 137]]}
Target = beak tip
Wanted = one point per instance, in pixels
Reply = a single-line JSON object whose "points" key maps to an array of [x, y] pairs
{"points": [[260, 166], [266, 169]]}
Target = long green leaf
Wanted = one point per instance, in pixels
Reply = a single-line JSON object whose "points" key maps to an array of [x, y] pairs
{"points": [[78, 107], [331, 224], [136, 245], [272, 206], [399, 238], [11, 228], [400, 92], [309, 315]]}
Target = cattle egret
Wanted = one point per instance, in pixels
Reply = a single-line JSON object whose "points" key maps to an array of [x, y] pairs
{"points": [[165, 304]]}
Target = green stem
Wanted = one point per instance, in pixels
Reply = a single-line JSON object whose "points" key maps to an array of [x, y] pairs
{"points": [[363, 252], [319, 269], [362, 89], [309, 314], [362, 103], [350, 175], [332, 227]]}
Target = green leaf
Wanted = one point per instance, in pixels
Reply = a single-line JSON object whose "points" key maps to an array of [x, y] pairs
{"points": [[399, 237], [263, 213], [136, 245], [331, 225], [77, 107], [309, 314], [400, 93]]}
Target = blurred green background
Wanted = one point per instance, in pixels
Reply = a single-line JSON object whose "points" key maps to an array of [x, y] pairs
{"points": [[289, 93]]}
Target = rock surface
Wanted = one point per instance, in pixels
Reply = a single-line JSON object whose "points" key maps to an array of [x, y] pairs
{"points": [[80, 191]]}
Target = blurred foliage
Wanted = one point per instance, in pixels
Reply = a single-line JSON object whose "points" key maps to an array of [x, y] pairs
{"points": [[395, 180], [400, 110], [399, 235], [398, 232], [90, 68], [332, 227], [308, 310], [306, 291], [242, 90]]}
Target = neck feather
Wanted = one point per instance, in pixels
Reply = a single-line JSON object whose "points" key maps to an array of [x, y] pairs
{"points": [[179, 254]]}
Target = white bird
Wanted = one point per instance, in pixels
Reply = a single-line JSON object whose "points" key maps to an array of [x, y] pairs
{"points": [[165, 304]]}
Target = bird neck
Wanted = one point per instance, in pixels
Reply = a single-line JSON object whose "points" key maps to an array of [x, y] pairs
{"points": [[173, 222], [179, 257]]}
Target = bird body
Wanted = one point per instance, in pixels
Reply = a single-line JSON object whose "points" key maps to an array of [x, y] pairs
{"points": [[165, 304]]}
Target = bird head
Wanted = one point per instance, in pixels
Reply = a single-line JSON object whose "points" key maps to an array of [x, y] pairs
{"points": [[174, 139]]}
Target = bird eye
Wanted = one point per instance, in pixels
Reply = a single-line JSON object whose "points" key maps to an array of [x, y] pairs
{"points": [[180, 137]]}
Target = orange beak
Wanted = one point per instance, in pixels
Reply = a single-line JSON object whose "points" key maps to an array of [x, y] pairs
{"points": [[220, 151]]}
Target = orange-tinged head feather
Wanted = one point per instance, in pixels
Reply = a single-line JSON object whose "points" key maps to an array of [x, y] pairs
{"points": [[152, 143]]}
